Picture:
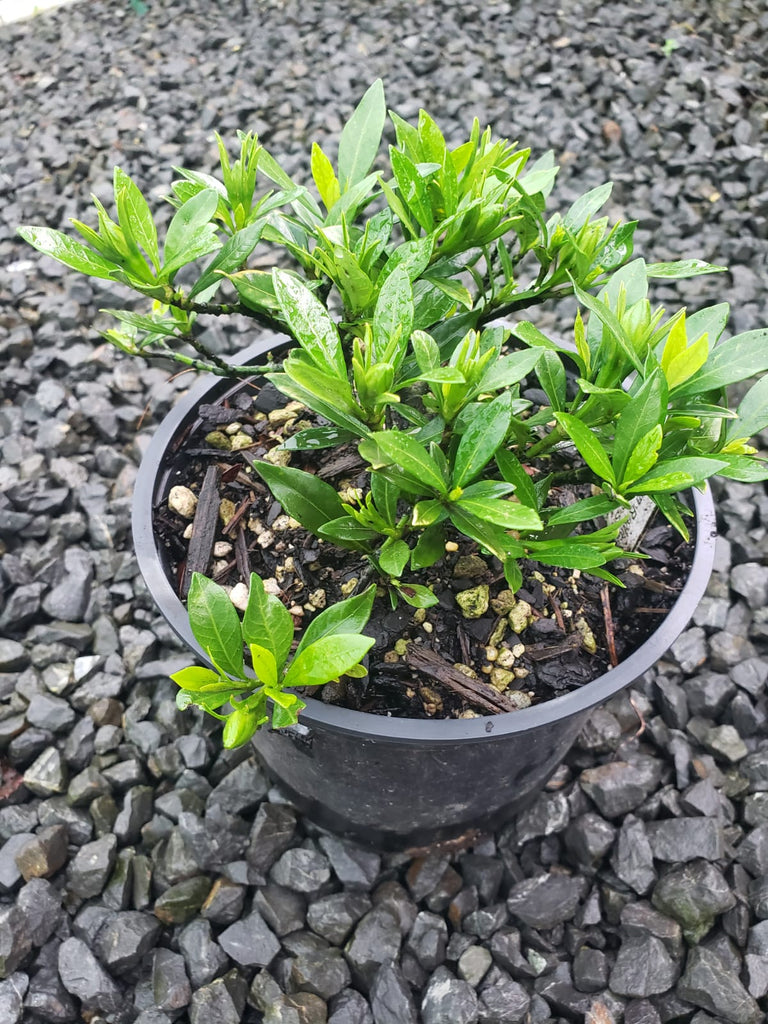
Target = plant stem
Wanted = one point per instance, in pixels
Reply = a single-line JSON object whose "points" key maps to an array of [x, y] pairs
{"points": [[226, 309], [524, 301]]}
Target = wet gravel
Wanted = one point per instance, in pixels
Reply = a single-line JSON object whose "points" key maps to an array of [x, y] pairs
{"points": [[147, 877]]}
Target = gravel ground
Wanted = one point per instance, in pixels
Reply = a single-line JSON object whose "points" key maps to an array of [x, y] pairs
{"points": [[146, 877]]}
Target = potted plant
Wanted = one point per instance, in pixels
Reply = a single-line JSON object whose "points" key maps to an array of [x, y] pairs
{"points": [[470, 490]]}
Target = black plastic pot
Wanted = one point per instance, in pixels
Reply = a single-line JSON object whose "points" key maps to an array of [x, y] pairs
{"points": [[393, 782]]}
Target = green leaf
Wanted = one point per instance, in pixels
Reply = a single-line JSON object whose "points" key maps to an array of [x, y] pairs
{"points": [[514, 473], [347, 532], [207, 700], [283, 716], [746, 468], [425, 513], [531, 335], [331, 412], [413, 257], [430, 547], [412, 188], [315, 438], [255, 289], [393, 556], [165, 327], [710, 321], [232, 254], [508, 370], [392, 447], [190, 233], [195, 678], [310, 323], [644, 456], [509, 514], [672, 510], [361, 136], [318, 381], [738, 358], [682, 268], [417, 596], [326, 181], [135, 216], [640, 415], [348, 616], [69, 252], [588, 445], [586, 206], [327, 658], [582, 511], [394, 309], [488, 535], [453, 289], [267, 622], [676, 474], [385, 496], [305, 497], [215, 624], [480, 441], [611, 322], [752, 412], [264, 664], [567, 556], [551, 374]]}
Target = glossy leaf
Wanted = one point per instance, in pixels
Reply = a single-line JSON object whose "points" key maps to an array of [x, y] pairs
{"points": [[267, 622], [586, 206], [190, 233], [430, 547], [393, 447], [743, 468], [361, 136], [393, 556], [264, 664], [514, 473], [551, 374], [568, 556], [394, 310], [303, 496], [215, 624], [488, 535], [752, 412], [239, 727], [229, 258], [324, 177], [676, 474], [135, 216], [482, 438], [644, 456], [69, 252], [348, 532], [681, 269], [738, 358], [590, 449], [417, 596], [317, 438], [310, 323], [195, 678], [425, 513], [385, 495], [348, 616], [640, 415], [327, 658], [508, 370], [582, 511], [327, 409], [509, 514]]}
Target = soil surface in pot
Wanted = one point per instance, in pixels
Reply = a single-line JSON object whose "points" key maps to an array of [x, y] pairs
{"points": [[488, 651]]}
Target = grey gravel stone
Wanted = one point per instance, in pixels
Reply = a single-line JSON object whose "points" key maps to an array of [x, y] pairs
{"points": [[683, 839], [301, 870], [643, 968], [48, 774], [40, 904], [693, 894], [375, 941], [273, 830], [44, 853], [391, 1000], [10, 873], [170, 984], [333, 917], [220, 1002], [125, 939], [349, 1007], [15, 940], [12, 992], [632, 858], [204, 958], [91, 867], [250, 942], [619, 787], [708, 984], [84, 977], [753, 851], [504, 1001], [546, 900], [448, 1000]]}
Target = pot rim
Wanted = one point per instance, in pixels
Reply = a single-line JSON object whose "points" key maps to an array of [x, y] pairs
{"points": [[408, 730]]}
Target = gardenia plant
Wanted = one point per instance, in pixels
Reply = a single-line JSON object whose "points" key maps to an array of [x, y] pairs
{"points": [[390, 290]]}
